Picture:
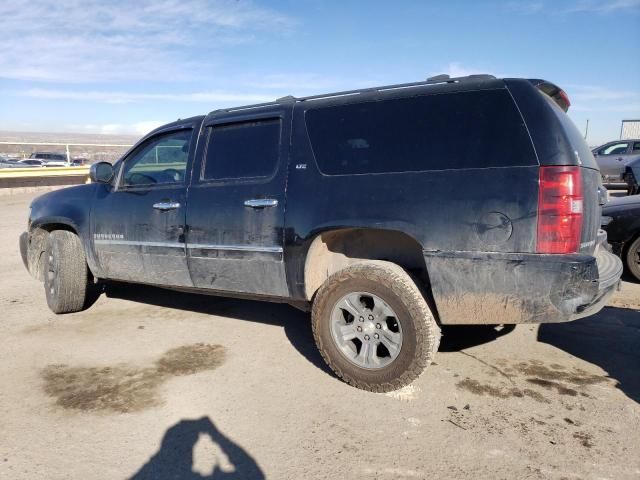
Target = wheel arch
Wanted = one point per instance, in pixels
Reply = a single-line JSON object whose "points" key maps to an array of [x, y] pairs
{"points": [[39, 234], [333, 250]]}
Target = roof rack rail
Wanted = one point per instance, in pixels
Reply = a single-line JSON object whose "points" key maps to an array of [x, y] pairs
{"points": [[443, 78], [430, 81]]}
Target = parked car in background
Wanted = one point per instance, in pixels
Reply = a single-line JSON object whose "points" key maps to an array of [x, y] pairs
{"points": [[6, 163], [50, 159], [613, 158], [621, 220], [78, 162]]}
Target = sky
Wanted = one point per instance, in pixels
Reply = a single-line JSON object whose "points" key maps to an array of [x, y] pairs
{"points": [[129, 66]]}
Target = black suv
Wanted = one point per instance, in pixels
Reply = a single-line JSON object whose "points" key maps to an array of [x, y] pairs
{"points": [[385, 211]]}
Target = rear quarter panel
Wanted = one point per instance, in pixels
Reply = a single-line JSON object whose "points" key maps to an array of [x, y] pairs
{"points": [[476, 209]]}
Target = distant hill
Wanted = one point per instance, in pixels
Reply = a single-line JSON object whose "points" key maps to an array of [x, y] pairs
{"points": [[93, 154]]}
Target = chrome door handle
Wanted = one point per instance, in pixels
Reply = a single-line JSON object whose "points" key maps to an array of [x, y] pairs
{"points": [[261, 202], [164, 206]]}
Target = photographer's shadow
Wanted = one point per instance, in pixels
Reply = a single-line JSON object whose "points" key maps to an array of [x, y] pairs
{"points": [[174, 460]]}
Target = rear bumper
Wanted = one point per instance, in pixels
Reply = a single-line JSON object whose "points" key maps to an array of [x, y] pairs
{"points": [[498, 288]]}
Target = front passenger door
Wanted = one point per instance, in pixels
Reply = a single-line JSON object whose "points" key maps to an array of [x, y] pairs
{"points": [[138, 225]]}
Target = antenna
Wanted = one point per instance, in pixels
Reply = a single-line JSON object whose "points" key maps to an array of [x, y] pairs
{"points": [[586, 130]]}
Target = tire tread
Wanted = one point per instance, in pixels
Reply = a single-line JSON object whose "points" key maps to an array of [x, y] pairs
{"points": [[395, 278], [73, 273]]}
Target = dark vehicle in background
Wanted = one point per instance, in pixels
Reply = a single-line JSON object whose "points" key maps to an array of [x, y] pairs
{"points": [[342, 204], [621, 220], [50, 159], [613, 158], [631, 176]]}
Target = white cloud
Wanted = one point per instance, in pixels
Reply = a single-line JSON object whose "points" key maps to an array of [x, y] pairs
{"points": [[210, 97], [601, 6], [591, 98], [92, 40], [138, 128], [579, 6], [455, 69]]}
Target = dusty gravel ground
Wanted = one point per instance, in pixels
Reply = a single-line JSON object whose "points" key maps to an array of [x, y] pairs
{"points": [[155, 384]]}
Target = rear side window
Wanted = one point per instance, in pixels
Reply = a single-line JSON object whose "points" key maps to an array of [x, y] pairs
{"points": [[242, 150], [431, 132]]}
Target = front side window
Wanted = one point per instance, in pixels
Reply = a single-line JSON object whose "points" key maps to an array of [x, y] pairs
{"points": [[636, 147], [615, 149], [245, 150], [161, 160]]}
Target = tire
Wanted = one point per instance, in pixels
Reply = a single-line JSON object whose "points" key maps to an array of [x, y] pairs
{"points": [[382, 288], [66, 275], [632, 258]]}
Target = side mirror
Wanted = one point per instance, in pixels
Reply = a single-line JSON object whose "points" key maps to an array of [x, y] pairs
{"points": [[101, 172]]}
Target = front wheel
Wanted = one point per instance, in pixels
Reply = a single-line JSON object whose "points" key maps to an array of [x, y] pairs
{"points": [[373, 327], [66, 274]]}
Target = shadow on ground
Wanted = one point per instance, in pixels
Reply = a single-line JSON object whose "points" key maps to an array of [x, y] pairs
{"points": [[296, 324], [610, 339], [174, 460], [460, 337]]}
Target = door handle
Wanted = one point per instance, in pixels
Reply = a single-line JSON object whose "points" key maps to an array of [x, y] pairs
{"points": [[164, 206], [261, 202]]}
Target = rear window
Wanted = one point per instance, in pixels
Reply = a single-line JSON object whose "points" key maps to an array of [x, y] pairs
{"points": [[431, 132], [578, 144]]}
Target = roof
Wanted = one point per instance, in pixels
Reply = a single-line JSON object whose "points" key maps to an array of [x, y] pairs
{"points": [[437, 80]]}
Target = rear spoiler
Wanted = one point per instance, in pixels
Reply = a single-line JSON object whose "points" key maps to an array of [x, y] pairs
{"points": [[555, 92]]}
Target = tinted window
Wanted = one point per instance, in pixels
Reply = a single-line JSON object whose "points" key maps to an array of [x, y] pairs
{"points": [[636, 147], [431, 132], [161, 160], [574, 136], [242, 150]]}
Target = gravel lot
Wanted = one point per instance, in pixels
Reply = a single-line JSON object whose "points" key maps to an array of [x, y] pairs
{"points": [[156, 384]]}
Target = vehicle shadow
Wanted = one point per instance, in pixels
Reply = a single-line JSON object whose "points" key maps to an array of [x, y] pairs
{"points": [[609, 339], [627, 277], [174, 460], [296, 324], [460, 337]]}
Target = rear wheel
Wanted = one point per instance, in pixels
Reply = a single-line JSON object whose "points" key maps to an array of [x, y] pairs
{"points": [[633, 258], [373, 326], [66, 274]]}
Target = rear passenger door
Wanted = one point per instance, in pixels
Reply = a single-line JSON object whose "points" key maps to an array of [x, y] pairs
{"points": [[236, 203]]}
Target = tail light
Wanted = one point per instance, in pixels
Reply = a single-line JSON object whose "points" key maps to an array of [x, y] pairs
{"points": [[560, 203]]}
